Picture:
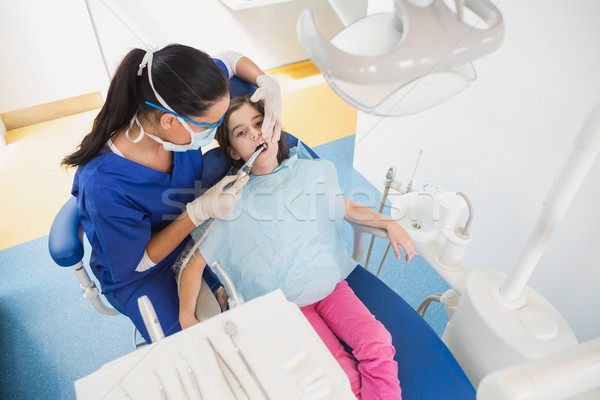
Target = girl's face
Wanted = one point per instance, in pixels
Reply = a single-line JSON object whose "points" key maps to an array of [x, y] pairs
{"points": [[245, 135]]}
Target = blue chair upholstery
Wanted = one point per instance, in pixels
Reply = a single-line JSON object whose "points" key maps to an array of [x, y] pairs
{"points": [[64, 241], [426, 368], [65, 244]]}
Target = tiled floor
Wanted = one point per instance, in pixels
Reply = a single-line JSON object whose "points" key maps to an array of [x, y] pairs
{"points": [[34, 185]]}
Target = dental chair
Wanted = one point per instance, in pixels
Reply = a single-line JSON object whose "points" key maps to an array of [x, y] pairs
{"points": [[426, 368], [65, 244]]}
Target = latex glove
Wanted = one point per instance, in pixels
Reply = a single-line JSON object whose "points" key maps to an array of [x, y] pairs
{"points": [[269, 92], [217, 202]]}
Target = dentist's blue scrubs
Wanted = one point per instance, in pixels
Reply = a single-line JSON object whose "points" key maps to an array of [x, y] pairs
{"points": [[121, 205]]}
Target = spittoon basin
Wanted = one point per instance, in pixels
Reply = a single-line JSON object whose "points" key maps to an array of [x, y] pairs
{"points": [[417, 213]]}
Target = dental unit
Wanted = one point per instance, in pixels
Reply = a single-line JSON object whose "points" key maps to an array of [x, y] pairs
{"points": [[501, 327], [500, 321]]}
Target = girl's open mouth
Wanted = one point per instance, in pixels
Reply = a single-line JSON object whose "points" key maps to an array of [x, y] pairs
{"points": [[262, 144]]}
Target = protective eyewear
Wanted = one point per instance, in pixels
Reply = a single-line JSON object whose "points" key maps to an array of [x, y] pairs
{"points": [[187, 119]]}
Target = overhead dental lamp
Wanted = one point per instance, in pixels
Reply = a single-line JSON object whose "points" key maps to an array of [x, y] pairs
{"points": [[406, 61]]}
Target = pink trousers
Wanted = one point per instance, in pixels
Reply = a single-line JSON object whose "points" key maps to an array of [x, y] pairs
{"points": [[342, 316]]}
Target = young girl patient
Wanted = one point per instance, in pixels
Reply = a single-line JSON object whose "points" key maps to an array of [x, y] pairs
{"points": [[286, 233]]}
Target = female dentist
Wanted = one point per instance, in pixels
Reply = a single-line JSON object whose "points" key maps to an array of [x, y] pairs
{"points": [[140, 167]]}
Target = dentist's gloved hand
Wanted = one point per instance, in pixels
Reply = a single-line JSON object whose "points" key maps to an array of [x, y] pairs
{"points": [[217, 202], [269, 92]]}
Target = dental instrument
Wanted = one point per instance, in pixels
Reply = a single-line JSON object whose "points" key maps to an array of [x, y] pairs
{"points": [[150, 319], [187, 395], [457, 237], [465, 231], [410, 184], [245, 169], [221, 361], [235, 298], [161, 387], [192, 375], [242, 172], [389, 178], [231, 330], [125, 392]]}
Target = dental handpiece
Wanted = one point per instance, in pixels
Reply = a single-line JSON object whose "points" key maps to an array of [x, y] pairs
{"points": [[235, 298], [245, 169], [150, 319]]}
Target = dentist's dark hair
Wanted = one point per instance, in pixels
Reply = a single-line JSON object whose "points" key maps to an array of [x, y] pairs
{"points": [[223, 134], [188, 80]]}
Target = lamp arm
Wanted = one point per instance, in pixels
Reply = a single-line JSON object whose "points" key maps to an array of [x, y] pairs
{"points": [[581, 158]]}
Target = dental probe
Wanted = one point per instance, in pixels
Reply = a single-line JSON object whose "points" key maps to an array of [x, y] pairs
{"points": [[181, 384], [389, 178], [231, 330], [220, 362], [161, 387], [410, 184], [192, 375]]}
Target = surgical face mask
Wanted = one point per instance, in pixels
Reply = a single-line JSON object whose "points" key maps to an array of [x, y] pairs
{"points": [[197, 139]]}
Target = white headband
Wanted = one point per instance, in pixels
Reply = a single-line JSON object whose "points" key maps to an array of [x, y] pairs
{"points": [[147, 59], [147, 62]]}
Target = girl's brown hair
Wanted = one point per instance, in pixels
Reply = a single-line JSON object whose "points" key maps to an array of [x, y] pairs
{"points": [[223, 132]]}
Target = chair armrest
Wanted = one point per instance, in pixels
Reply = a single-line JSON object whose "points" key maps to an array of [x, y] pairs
{"points": [[360, 234]]}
